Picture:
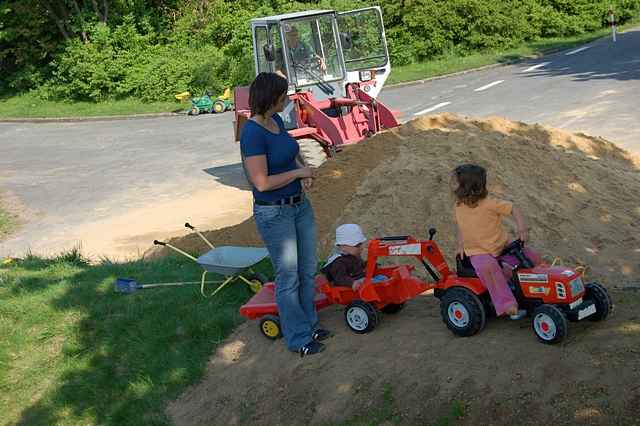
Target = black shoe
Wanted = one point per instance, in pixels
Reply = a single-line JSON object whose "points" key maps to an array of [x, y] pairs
{"points": [[321, 334], [311, 348]]}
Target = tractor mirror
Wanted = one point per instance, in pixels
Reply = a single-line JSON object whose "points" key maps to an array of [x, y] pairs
{"points": [[268, 52], [346, 41]]}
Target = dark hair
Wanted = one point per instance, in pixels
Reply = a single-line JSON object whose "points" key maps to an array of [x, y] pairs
{"points": [[472, 184], [265, 91]]}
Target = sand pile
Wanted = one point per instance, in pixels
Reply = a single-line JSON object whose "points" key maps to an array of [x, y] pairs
{"points": [[580, 194]]}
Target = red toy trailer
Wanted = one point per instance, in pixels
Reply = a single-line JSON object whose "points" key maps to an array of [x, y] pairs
{"points": [[550, 294]]}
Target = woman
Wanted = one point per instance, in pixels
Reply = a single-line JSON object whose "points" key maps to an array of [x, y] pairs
{"points": [[283, 214]]}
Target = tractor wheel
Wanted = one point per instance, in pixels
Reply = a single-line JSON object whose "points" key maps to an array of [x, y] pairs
{"points": [[392, 308], [219, 107], [270, 327], [462, 312], [256, 281], [602, 300], [361, 317], [312, 152], [194, 110], [549, 324]]}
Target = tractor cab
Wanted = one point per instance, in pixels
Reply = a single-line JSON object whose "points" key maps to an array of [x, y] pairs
{"points": [[335, 65], [321, 51]]}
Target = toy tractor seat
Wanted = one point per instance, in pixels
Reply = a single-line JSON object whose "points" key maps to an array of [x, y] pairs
{"points": [[464, 267]]}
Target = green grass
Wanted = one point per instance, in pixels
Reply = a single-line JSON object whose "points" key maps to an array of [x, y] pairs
{"points": [[74, 352], [7, 223], [29, 105], [451, 63]]}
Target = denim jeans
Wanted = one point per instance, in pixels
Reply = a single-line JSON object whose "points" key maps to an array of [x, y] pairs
{"points": [[289, 233]]}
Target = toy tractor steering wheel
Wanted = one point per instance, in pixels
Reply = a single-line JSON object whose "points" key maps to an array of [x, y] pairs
{"points": [[516, 249]]}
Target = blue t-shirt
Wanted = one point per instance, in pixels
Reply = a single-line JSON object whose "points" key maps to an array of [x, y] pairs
{"points": [[281, 151]]}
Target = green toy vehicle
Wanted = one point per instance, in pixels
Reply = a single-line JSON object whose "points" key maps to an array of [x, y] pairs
{"points": [[206, 104]]}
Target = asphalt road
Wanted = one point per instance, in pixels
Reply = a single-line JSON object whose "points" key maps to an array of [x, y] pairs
{"points": [[69, 175]]}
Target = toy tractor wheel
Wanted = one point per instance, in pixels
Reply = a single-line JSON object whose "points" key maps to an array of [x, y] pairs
{"points": [[392, 308], [312, 152], [219, 107], [549, 324], [602, 300], [462, 312], [270, 327], [256, 281], [194, 110], [361, 317]]}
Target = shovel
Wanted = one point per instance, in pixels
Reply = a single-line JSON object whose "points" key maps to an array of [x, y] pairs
{"points": [[128, 285]]}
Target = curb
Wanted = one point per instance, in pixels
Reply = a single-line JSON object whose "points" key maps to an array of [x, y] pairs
{"points": [[89, 119]]}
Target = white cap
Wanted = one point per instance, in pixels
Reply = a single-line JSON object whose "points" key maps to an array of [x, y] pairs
{"points": [[349, 234]]}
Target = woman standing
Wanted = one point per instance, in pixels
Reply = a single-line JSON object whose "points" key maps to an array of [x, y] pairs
{"points": [[283, 214]]}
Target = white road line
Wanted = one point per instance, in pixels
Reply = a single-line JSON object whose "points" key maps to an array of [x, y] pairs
{"points": [[573, 52], [485, 87], [535, 67], [433, 108]]}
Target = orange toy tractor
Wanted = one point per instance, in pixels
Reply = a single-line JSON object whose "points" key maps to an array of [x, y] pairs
{"points": [[552, 295]]}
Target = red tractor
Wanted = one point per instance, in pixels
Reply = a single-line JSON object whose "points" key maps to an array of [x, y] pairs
{"points": [[552, 295], [336, 65]]}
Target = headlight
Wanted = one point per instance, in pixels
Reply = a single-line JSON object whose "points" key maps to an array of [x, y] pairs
{"points": [[366, 75], [577, 286], [560, 291]]}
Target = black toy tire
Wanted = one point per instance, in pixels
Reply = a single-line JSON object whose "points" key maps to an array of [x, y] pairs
{"points": [[600, 296], [557, 326], [361, 317], [270, 327], [462, 312]]}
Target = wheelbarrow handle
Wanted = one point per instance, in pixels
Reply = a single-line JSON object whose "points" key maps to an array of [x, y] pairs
{"points": [[188, 225], [159, 243]]}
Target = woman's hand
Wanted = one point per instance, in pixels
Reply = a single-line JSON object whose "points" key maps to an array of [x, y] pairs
{"points": [[460, 251], [307, 183], [305, 172]]}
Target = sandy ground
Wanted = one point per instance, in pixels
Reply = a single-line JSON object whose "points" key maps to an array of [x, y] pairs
{"points": [[580, 196], [412, 367]]}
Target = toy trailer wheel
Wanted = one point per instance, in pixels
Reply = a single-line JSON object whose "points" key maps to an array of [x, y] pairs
{"points": [[256, 281], [462, 312], [392, 308], [602, 300], [270, 327], [361, 317], [219, 107], [549, 324]]}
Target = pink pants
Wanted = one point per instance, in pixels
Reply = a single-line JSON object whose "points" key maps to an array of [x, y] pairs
{"points": [[495, 278]]}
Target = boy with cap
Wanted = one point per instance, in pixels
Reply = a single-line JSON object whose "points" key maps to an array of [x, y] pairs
{"points": [[345, 267]]}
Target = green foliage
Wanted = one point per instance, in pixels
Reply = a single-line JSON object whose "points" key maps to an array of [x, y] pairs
{"points": [[154, 49]]}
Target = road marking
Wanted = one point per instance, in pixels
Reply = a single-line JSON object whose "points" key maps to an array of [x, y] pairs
{"points": [[573, 52], [485, 87], [433, 108], [535, 67]]}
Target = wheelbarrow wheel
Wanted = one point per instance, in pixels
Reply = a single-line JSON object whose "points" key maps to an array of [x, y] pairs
{"points": [[256, 281], [270, 327], [361, 317], [219, 107]]}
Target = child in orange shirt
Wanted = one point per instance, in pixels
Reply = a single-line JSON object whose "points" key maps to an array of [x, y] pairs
{"points": [[481, 236]]}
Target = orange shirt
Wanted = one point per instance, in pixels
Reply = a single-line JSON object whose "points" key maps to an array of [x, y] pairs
{"points": [[481, 226]]}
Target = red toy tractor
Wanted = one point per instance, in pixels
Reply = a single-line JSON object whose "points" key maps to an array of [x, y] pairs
{"points": [[552, 295], [336, 65]]}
